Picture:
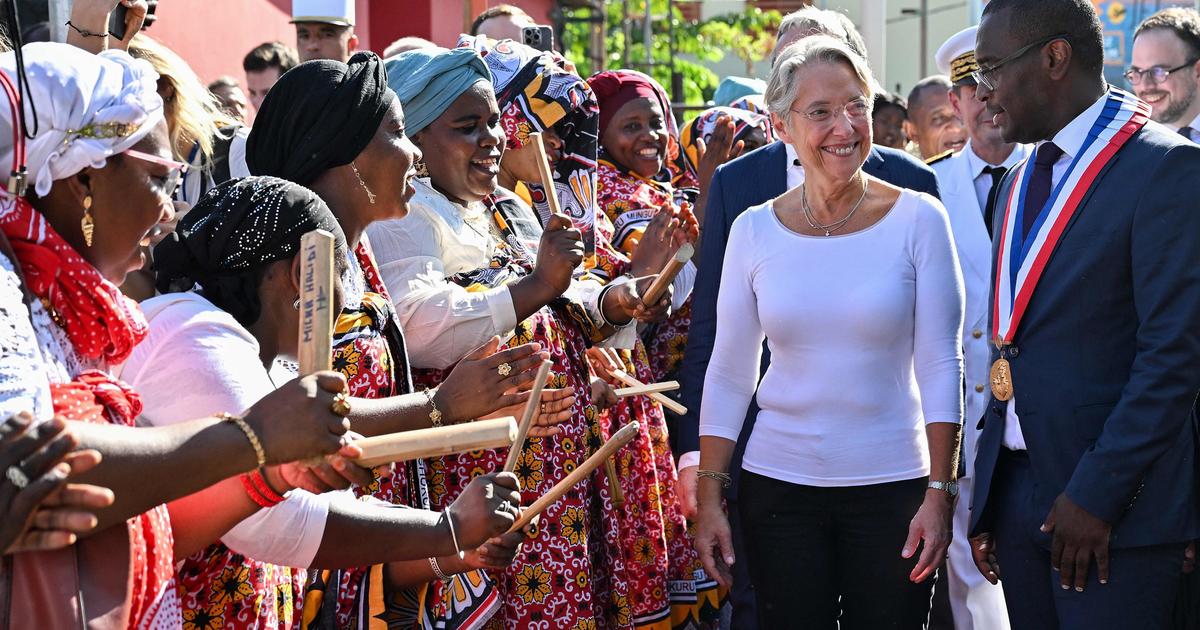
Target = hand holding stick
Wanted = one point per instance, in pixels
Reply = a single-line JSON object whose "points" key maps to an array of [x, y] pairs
{"points": [[668, 273], [618, 372], [607, 450], [531, 409], [436, 442]]}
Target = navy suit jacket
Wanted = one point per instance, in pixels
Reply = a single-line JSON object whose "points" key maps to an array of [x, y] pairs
{"points": [[1107, 361], [750, 180]]}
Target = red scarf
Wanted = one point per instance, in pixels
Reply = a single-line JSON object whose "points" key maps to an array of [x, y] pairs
{"points": [[100, 322]]}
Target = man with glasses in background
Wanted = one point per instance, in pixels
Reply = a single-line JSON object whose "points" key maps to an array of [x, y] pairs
{"points": [[1085, 478], [1165, 72]]}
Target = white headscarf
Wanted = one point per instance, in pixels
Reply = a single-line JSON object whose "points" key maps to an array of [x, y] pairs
{"points": [[89, 107]]}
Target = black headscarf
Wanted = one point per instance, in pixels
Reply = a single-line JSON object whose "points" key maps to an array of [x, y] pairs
{"points": [[319, 115], [233, 233]]}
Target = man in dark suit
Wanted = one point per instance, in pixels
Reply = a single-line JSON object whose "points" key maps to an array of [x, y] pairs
{"points": [[748, 181], [1085, 491]]}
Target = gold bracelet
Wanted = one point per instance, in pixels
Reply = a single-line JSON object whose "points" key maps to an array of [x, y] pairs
{"points": [[435, 416], [241, 423], [725, 478], [437, 570]]}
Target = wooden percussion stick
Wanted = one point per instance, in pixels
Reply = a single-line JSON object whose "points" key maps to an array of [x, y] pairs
{"points": [[630, 381], [668, 273], [531, 409], [619, 439], [316, 307], [539, 144], [437, 441], [645, 390]]}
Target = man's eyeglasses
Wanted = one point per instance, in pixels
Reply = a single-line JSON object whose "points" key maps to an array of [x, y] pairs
{"points": [[177, 169], [987, 76], [1157, 74]]}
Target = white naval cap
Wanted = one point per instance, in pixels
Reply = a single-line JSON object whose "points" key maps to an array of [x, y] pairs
{"points": [[339, 12], [956, 57]]}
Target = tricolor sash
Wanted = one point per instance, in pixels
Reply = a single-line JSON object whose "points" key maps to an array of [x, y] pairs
{"points": [[1021, 259]]}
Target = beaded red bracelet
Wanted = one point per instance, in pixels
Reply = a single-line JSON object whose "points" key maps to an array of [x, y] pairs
{"points": [[264, 488], [253, 493]]}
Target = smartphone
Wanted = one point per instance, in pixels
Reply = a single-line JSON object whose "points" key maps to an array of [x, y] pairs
{"points": [[116, 21], [539, 37]]}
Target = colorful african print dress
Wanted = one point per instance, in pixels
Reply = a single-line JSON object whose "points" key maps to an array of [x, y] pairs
{"points": [[369, 349], [630, 202]]}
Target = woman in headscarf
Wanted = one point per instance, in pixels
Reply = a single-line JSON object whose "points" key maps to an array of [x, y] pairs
{"points": [[656, 552], [338, 130], [643, 172], [100, 176], [750, 131], [242, 317], [470, 262]]}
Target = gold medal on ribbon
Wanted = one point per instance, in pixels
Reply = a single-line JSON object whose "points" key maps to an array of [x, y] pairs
{"points": [[1002, 387]]}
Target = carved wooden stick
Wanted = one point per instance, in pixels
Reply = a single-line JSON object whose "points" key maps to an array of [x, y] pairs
{"points": [[531, 408], [539, 144], [668, 273], [316, 307], [614, 482], [316, 302], [646, 390], [437, 441], [619, 439], [630, 381]]}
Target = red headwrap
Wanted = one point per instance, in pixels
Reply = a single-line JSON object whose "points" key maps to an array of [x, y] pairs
{"points": [[615, 88]]}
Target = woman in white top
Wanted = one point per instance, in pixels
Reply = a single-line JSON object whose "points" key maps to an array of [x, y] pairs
{"points": [[855, 286]]}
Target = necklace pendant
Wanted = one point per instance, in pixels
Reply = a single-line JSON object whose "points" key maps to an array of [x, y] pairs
{"points": [[827, 232]]}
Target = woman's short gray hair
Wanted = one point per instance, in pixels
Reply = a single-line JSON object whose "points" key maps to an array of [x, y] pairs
{"points": [[782, 87]]}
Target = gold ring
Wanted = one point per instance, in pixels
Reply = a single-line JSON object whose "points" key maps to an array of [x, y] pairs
{"points": [[341, 405], [504, 369]]}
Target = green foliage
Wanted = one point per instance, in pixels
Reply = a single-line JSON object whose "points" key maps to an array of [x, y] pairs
{"points": [[749, 35]]}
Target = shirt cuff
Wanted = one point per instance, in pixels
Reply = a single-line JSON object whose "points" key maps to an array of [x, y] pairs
{"points": [[503, 312], [688, 459]]}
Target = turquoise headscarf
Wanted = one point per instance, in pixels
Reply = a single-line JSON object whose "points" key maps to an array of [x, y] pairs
{"points": [[427, 80], [730, 89]]}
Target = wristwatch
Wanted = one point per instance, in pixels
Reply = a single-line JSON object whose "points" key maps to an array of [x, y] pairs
{"points": [[949, 487]]}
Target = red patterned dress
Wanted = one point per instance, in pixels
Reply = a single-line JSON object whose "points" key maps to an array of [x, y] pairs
{"points": [[629, 202], [369, 349]]}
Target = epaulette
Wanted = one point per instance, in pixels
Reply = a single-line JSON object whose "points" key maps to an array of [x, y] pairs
{"points": [[939, 157]]}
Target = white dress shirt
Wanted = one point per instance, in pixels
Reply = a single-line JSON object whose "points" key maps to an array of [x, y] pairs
{"points": [[1070, 139], [983, 181]]}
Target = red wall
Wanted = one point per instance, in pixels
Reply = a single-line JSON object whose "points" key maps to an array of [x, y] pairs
{"points": [[214, 35]]}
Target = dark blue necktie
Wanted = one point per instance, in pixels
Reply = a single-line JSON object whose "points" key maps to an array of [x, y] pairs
{"points": [[1186, 132], [1039, 184], [989, 207]]}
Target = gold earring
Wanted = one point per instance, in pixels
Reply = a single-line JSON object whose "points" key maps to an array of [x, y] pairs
{"points": [[370, 195], [87, 224]]}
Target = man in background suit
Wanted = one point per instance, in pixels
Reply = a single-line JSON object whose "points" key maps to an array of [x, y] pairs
{"points": [[966, 180], [748, 181], [1085, 488]]}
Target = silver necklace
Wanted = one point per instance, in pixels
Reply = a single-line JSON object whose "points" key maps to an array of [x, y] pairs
{"points": [[832, 227]]}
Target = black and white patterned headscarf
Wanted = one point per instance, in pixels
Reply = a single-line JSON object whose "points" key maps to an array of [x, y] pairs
{"points": [[237, 229]]}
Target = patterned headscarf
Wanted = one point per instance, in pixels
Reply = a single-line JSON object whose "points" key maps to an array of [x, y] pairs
{"points": [[319, 115], [235, 231], [535, 92], [702, 126], [752, 103]]}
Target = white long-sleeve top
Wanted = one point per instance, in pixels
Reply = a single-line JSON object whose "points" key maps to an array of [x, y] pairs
{"points": [[864, 337]]}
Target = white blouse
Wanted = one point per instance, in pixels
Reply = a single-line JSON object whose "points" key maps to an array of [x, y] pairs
{"points": [[198, 360], [438, 239], [864, 337]]}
